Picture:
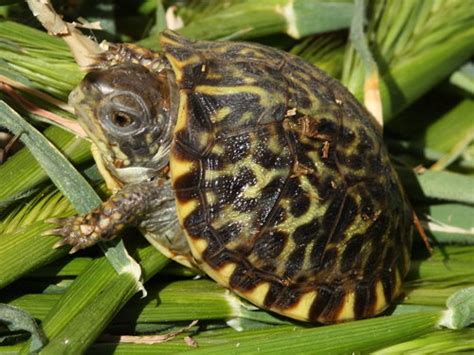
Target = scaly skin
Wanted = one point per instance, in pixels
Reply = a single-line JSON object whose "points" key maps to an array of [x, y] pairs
{"points": [[129, 207]]}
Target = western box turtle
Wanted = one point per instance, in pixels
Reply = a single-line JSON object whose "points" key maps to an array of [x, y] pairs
{"points": [[252, 165]]}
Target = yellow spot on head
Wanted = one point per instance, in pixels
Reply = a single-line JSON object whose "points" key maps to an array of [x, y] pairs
{"points": [[266, 99], [291, 112]]}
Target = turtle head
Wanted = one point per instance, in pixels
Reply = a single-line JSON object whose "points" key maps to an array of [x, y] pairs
{"points": [[129, 112]]}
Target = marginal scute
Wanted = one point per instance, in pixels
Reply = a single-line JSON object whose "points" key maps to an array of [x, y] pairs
{"points": [[199, 246], [258, 293], [380, 301], [301, 308], [244, 278], [283, 186], [364, 299], [327, 304], [347, 311]]}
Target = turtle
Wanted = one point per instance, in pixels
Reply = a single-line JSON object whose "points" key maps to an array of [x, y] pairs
{"points": [[252, 165]]}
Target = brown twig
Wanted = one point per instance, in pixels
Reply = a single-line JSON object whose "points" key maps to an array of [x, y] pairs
{"points": [[146, 339], [85, 50], [43, 96], [421, 231], [70, 125], [5, 151]]}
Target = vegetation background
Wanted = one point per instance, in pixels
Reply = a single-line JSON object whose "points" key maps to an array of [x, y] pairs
{"points": [[423, 51]]}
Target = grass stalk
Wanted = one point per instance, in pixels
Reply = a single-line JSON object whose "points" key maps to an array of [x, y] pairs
{"points": [[364, 336], [250, 19], [21, 174], [92, 300], [409, 64]]}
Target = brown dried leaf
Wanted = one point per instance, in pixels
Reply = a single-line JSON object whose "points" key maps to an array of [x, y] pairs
{"points": [[85, 50]]}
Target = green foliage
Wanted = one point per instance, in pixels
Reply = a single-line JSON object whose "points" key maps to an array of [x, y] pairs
{"points": [[417, 45]]}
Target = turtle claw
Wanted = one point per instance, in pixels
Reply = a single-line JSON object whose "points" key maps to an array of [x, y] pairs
{"points": [[60, 244], [74, 249], [76, 231]]}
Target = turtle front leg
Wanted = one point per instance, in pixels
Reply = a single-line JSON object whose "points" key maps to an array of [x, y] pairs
{"points": [[130, 206]]}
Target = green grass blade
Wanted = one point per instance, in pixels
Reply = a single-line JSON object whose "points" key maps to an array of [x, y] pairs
{"points": [[250, 19], [26, 250], [98, 293], [405, 83], [441, 342], [59, 169], [453, 127], [361, 336], [408, 67], [81, 330], [17, 319], [440, 185], [449, 223], [464, 78], [22, 173], [45, 60]]}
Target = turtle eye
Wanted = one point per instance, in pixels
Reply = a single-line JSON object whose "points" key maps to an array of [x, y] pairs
{"points": [[122, 113], [121, 119]]}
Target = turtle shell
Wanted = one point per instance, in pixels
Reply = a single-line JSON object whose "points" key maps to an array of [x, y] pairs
{"points": [[283, 186]]}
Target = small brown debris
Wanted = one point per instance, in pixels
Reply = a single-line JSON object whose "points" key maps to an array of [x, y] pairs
{"points": [[301, 170], [190, 342], [7, 86], [307, 127], [147, 339], [420, 169], [326, 146], [291, 112], [8, 144], [118, 163], [376, 215], [421, 231]]}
